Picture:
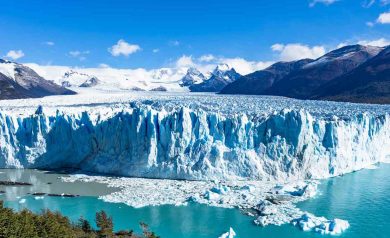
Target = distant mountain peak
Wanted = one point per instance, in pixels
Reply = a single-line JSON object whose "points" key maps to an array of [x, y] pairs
{"points": [[193, 76], [222, 75], [222, 68], [74, 78]]}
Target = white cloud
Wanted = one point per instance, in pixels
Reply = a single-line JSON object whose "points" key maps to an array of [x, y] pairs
{"points": [[156, 50], [378, 42], [49, 43], [326, 2], [243, 66], [370, 24], [206, 58], [15, 54], [297, 51], [185, 61], [277, 47], [103, 66], [123, 48], [384, 18], [81, 55]]}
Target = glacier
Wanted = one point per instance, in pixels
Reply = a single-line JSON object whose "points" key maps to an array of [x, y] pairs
{"points": [[193, 137]]}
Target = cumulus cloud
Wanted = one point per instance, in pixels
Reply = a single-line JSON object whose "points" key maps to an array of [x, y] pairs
{"points": [[206, 58], [49, 43], [15, 54], [378, 42], [156, 50], [185, 61], [297, 51], [384, 18], [326, 2], [81, 55], [123, 48], [243, 66]]}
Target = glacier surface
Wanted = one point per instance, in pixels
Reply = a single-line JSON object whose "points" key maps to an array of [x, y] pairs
{"points": [[195, 137]]}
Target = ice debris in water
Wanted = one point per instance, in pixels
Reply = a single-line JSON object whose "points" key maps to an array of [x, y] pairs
{"points": [[309, 222], [229, 234], [268, 202], [299, 189]]}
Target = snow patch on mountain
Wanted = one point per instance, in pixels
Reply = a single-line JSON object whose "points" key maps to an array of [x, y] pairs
{"points": [[73, 78], [7, 68]]}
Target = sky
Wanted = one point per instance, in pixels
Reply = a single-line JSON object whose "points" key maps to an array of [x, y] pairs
{"points": [[154, 33]]}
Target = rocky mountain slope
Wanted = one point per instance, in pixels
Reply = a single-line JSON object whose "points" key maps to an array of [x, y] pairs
{"points": [[261, 80], [370, 82], [220, 77], [19, 81]]}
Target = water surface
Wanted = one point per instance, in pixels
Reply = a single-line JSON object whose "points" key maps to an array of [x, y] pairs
{"points": [[362, 198]]}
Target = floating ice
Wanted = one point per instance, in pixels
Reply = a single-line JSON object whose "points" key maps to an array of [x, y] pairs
{"points": [[309, 222], [229, 234], [21, 201]]}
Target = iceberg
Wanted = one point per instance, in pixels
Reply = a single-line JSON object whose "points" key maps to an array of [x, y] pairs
{"points": [[309, 222], [229, 234]]}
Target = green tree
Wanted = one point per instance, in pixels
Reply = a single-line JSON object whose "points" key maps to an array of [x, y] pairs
{"points": [[146, 232], [105, 225]]}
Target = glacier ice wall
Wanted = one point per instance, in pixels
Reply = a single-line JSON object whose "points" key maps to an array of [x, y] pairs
{"points": [[194, 144]]}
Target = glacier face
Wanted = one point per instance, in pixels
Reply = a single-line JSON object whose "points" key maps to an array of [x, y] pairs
{"points": [[194, 137]]}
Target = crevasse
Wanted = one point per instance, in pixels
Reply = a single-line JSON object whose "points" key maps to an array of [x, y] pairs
{"points": [[194, 144]]}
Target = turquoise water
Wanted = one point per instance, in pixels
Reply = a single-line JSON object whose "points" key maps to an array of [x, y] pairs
{"points": [[362, 198]]}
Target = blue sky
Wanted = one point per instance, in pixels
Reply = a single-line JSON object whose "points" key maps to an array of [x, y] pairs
{"points": [[156, 33]]}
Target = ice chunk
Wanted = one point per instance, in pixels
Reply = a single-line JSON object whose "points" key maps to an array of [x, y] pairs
{"points": [[229, 234], [220, 189], [309, 222], [210, 195], [299, 189]]}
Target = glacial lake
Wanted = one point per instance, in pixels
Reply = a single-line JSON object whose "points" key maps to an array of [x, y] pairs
{"points": [[362, 198]]}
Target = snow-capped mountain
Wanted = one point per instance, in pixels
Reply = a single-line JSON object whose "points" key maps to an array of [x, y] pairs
{"points": [[193, 76], [369, 83], [301, 84], [73, 78], [20, 81], [221, 76], [304, 78], [162, 74], [114, 79], [257, 82]]}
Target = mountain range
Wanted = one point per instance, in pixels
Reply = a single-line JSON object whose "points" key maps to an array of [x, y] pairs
{"points": [[352, 73], [222, 75]]}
